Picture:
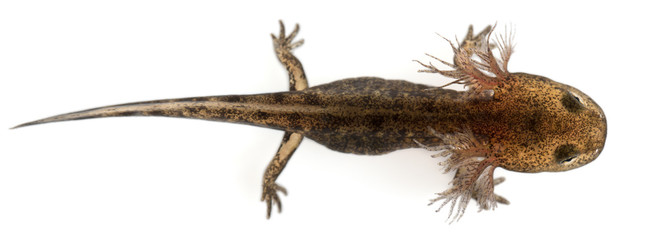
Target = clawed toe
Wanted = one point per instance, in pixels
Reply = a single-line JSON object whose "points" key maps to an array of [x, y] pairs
{"points": [[270, 196], [284, 42], [497, 198]]}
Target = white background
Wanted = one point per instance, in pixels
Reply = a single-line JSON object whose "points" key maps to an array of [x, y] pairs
{"points": [[161, 178]]}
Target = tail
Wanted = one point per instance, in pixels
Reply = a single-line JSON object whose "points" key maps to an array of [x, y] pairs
{"points": [[250, 109]]}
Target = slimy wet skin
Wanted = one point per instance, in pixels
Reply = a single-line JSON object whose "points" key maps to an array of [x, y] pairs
{"points": [[516, 121]]}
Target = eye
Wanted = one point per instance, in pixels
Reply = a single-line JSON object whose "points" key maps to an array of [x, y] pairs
{"points": [[566, 153], [567, 160], [578, 98], [572, 102]]}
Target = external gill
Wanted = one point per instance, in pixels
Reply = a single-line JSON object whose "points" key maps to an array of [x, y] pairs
{"points": [[474, 167], [478, 75]]}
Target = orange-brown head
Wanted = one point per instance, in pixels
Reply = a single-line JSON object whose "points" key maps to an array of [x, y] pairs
{"points": [[562, 128], [531, 123]]}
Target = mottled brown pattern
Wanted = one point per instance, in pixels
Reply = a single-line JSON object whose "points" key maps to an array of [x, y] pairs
{"points": [[283, 47], [517, 121]]}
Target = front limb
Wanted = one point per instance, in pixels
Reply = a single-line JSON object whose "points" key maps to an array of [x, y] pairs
{"points": [[478, 74], [474, 164]]}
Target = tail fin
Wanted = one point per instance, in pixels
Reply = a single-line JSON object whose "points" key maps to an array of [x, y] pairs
{"points": [[183, 107]]}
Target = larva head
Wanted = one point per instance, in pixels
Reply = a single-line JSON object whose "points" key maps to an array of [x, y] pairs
{"points": [[532, 123], [564, 128]]}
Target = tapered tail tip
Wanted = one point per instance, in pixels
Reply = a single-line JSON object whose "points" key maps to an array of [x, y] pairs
{"points": [[17, 126], [24, 125]]}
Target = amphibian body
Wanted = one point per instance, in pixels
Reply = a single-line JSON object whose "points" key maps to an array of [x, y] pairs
{"points": [[517, 121]]}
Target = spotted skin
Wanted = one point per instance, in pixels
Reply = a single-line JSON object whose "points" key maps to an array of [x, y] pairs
{"points": [[283, 48], [516, 121]]}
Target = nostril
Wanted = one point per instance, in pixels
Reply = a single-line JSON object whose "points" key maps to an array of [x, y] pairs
{"points": [[597, 131]]}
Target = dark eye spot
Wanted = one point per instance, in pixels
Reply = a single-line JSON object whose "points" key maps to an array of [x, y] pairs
{"points": [[566, 153], [567, 160], [571, 102]]}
